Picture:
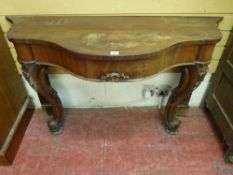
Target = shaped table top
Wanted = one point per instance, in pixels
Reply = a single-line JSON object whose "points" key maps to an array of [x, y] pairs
{"points": [[114, 35]]}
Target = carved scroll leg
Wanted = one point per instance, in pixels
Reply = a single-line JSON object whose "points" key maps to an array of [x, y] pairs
{"points": [[38, 79], [190, 78]]}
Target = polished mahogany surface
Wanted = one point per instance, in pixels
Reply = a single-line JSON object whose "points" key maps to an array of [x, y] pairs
{"points": [[101, 35]]}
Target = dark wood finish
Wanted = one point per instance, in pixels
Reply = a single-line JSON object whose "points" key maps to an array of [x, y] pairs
{"points": [[114, 49], [38, 79], [11, 151], [220, 97], [13, 104], [190, 79]]}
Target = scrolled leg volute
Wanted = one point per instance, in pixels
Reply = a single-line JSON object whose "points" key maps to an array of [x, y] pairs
{"points": [[37, 77], [191, 77]]}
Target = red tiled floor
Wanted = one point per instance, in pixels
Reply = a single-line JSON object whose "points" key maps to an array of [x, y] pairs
{"points": [[120, 142]]}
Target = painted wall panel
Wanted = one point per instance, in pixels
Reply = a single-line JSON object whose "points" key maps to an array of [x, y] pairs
{"points": [[113, 7]]}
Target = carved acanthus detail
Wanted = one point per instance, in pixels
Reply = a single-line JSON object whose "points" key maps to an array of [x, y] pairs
{"points": [[202, 71]]}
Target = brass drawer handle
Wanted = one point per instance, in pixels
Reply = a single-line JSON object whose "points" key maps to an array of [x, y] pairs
{"points": [[114, 76]]}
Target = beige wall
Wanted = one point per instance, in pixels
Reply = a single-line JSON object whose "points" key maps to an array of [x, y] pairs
{"points": [[125, 7]]}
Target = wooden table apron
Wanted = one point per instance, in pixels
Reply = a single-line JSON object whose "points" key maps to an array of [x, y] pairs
{"points": [[106, 51]]}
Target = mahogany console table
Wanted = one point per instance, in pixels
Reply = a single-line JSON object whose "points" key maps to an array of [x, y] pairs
{"points": [[113, 49]]}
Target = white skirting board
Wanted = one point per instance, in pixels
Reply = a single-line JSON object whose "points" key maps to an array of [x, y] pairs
{"points": [[79, 93]]}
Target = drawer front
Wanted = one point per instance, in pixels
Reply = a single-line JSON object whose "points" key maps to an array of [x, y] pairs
{"points": [[111, 68]]}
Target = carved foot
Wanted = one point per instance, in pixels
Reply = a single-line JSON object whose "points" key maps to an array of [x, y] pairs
{"points": [[172, 126], [228, 156], [54, 127]]}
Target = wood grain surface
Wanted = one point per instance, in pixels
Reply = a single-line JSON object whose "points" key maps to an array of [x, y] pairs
{"points": [[94, 35]]}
